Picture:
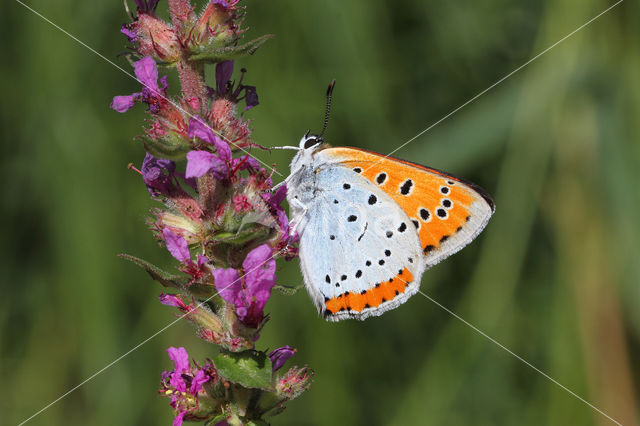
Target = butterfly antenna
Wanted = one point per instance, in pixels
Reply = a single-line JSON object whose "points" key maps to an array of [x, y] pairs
{"points": [[328, 110]]}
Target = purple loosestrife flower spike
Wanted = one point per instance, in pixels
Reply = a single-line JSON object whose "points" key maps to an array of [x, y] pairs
{"points": [[219, 205], [280, 356]]}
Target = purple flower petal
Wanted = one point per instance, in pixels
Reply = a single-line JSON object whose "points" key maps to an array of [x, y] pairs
{"points": [[251, 97], [199, 129], [260, 274], [177, 421], [177, 245], [171, 300], [222, 3], [245, 162], [280, 356], [131, 34], [202, 260], [157, 174], [198, 163], [198, 380], [147, 73], [163, 82], [259, 279], [151, 5], [275, 198], [228, 284], [180, 358], [242, 312], [283, 220], [123, 103], [201, 162], [224, 70]]}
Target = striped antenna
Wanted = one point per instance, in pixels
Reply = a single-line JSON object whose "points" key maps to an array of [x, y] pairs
{"points": [[328, 110]]}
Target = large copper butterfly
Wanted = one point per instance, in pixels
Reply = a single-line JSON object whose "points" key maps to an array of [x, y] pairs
{"points": [[370, 225]]}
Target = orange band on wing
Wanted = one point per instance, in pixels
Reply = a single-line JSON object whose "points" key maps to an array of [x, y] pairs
{"points": [[382, 292], [438, 204]]}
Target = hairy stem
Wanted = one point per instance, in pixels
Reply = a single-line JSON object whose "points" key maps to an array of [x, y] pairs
{"points": [[191, 74]]}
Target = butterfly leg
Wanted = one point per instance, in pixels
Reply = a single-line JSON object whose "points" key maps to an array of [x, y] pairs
{"points": [[284, 182], [300, 213], [278, 185]]}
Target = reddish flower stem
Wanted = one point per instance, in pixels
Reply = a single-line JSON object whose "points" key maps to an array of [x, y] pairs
{"points": [[191, 74]]}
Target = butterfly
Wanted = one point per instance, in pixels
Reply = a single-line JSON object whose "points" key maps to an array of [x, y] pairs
{"points": [[370, 225]]}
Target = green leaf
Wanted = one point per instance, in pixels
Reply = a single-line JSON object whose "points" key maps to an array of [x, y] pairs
{"points": [[251, 369], [164, 278], [218, 54], [288, 290]]}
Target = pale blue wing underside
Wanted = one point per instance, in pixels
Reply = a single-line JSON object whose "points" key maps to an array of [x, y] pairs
{"points": [[353, 237]]}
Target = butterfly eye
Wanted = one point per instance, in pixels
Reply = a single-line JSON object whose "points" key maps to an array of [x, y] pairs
{"points": [[311, 142]]}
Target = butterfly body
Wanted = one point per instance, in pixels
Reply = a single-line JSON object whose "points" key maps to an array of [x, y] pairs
{"points": [[370, 225]]}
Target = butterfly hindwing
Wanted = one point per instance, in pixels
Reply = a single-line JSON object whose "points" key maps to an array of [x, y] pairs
{"points": [[447, 212], [359, 250]]}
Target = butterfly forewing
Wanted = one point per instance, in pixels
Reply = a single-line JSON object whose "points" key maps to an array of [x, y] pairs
{"points": [[360, 252], [446, 211]]}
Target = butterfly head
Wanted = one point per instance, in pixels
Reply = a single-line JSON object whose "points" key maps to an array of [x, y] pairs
{"points": [[309, 141]]}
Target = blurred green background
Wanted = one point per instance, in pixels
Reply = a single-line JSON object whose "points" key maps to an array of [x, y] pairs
{"points": [[554, 277]]}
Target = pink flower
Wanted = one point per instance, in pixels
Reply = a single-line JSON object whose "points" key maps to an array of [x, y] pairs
{"points": [[184, 384], [280, 356], [249, 293], [294, 382], [152, 94], [235, 93], [176, 245], [179, 249]]}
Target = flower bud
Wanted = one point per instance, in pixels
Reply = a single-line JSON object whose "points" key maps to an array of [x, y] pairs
{"points": [[178, 224], [223, 115], [279, 356], [154, 38], [218, 25], [294, 382]]}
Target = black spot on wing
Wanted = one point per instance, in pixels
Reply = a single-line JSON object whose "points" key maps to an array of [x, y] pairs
{"points": [[405, 188]]}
